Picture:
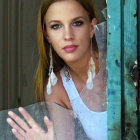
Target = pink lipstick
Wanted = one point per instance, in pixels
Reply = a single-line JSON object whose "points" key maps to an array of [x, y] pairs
{"points": [[70, 48]]}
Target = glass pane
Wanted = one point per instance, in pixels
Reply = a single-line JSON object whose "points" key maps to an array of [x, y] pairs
{"points": [[80, 111]]}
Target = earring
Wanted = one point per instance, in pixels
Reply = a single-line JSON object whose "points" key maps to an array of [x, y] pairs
{"points": [[52, 80], [91, 71]]}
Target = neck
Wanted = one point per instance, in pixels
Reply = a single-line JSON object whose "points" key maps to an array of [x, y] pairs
{"points": [[79, 68]]}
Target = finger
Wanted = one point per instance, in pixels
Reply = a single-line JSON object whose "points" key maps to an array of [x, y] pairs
{"points": [[18, 120], [18, 136], [49, 125], [15, 126], [27, 117]]}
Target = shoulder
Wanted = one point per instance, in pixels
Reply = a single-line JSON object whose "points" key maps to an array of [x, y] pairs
{"points": [[58, 94]]}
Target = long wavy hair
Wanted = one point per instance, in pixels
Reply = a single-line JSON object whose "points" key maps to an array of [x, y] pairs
{"points": [[44, 46]]}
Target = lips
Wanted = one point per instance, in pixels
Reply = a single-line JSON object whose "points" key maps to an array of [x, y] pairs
{"points": [[70, 48]]}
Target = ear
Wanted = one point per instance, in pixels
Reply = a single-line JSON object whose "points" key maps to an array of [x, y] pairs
{"points": [[92, 29]]}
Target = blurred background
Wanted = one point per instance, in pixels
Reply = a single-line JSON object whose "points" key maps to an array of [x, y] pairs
{"points": [[18, 50]]}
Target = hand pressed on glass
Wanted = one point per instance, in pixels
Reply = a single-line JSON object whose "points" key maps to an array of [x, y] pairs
{"points": [[33, 131]]}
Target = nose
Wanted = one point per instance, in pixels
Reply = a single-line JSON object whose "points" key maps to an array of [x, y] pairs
{"points": [[68, 33]]}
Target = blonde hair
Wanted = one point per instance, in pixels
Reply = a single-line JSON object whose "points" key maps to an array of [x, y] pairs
{"points": [[44, 46]]}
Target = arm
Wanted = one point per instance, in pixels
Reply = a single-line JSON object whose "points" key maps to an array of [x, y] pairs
{"points": [[63, 121], [60, 111]]}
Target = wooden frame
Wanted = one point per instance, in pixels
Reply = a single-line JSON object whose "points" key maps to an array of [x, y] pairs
{"points": [[121, 55]]}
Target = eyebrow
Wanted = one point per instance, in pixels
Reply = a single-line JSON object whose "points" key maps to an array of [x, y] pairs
{"points": [[72, 19]]}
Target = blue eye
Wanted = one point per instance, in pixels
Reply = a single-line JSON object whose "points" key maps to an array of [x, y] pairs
{"points": [[78, 23], [55, 26]]}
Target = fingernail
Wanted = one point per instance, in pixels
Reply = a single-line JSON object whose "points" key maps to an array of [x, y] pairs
{"points": [[20, 109], [10, 113], [46, 118], [14, 130], [8, 120]]}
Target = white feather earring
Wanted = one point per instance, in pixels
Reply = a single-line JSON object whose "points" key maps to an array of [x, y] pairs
{"points": [[52, 80], [91, 72]]}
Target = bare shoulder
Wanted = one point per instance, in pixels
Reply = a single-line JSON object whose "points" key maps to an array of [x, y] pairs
{"points": [[58, 94]]}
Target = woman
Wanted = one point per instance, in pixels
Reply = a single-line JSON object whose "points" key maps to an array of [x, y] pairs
{"points": [[68, 68]]}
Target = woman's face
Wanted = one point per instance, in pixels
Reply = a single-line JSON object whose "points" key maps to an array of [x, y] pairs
{"points": [[69, 30]]}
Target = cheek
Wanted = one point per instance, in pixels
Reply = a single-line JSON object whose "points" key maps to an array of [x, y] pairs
{"points": [[54, 39], [83, 32], [84, 36], [56, 44]]}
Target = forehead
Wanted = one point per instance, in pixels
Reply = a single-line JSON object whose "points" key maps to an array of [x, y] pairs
{"points": [[65, 9]]}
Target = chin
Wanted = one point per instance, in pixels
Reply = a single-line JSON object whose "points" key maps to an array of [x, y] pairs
{"points": [[71, 59]]}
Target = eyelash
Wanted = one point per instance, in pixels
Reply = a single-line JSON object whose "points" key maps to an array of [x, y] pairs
{"points": [[76, 23], [55, 26]]}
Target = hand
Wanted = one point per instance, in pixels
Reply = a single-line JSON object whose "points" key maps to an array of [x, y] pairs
{"points": [[33, 131]]}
